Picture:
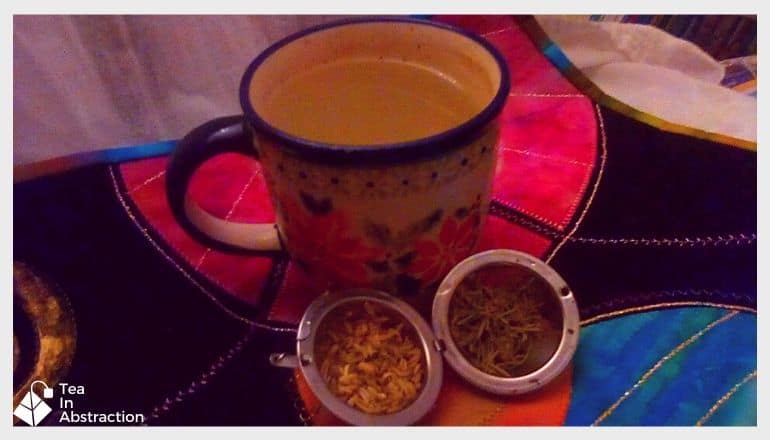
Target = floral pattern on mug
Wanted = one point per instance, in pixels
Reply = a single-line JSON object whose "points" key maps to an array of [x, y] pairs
{"points": [[322, 240], [456, 240]]}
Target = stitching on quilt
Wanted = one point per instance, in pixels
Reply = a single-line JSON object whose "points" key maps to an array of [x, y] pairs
{"points": [[148, 181], [708, 241], [661, 306], [235, 204], [203, 379], [546, 156], [723, 239], [499, 31], [722, 400], [531, 214], [603, 161], [622, 303], [547, 95]]}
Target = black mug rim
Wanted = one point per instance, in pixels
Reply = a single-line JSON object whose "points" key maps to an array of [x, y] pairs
{"points": [[429, 146]]}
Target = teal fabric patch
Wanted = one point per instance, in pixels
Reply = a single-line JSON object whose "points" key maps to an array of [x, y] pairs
{"points": [[116, 155], [555, 54], [613, 355], [738, 410]]}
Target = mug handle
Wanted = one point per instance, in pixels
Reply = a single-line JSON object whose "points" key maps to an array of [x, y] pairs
{"points": [[222, 135]]}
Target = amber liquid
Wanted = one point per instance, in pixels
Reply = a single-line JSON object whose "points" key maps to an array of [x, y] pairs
{"points": [[368, 102]]}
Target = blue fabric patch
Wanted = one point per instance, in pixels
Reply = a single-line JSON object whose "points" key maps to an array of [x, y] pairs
{"points": [[613, 355]]}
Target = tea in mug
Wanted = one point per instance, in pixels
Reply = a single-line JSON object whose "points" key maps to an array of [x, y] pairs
{"points": [[368, 101]]}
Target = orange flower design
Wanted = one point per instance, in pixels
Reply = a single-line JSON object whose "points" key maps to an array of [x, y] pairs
{"points": [[435, 259], [326, 244]]}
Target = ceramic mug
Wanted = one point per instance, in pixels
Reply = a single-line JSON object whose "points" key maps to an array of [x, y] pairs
{"points": [[395, 216]]}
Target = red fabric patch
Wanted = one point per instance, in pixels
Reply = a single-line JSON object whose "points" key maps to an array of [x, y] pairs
{"points": [[296, 293], [151, 201], [135, 177], [560, 129], [547, 149], [531, 71], [240, 192], [244, 277], [479, 24], [501, 234]]}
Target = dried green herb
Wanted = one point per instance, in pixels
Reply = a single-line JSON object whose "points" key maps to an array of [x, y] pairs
{"points": [[495, 327]]}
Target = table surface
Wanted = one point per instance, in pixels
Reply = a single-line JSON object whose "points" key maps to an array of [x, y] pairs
{"points": [[654, 231]]}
